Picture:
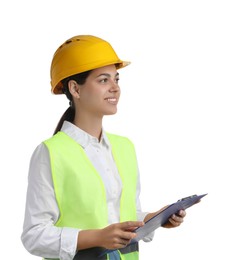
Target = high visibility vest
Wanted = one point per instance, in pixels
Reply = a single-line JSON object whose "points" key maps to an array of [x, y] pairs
{"points": [[79, 189]]}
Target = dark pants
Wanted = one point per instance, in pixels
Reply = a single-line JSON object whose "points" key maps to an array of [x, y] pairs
{"points": [[95, 253]]}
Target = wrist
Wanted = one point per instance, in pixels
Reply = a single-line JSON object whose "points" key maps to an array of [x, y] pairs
{"points": [[89, 238]]}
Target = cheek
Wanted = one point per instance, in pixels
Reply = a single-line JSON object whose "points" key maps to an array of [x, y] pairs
{"points": [[91, 98], [86, 94]]}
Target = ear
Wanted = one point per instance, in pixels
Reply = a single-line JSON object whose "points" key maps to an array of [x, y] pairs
{"points": [[74, 89]]}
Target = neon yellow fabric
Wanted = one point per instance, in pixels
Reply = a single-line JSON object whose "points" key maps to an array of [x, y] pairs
{"points": [[79, 189], [130, 256]]}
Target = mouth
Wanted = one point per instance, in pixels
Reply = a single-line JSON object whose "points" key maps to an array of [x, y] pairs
{"points": [[112, 100]]}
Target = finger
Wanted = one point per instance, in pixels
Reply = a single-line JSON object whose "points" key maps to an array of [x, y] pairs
{"points": [[131, 224], [176, 220], [181, 213], [121, 242], [124, 242], [131, 229], [174, 223], [127, 235]]}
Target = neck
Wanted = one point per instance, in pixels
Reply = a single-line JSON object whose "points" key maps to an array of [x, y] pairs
{"points": [[91, 126]]}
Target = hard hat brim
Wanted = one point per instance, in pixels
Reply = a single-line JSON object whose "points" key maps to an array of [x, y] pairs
{"points": [[57, 89]]}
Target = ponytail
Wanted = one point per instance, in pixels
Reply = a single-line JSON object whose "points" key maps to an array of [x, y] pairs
{"points": [[69, 114]]}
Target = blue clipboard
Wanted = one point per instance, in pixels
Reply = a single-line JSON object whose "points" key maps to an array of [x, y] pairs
{"points": [[162, 217]]}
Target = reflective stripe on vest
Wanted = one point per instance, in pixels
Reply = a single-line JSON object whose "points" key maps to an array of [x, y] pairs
{"points": [[79, 189]]}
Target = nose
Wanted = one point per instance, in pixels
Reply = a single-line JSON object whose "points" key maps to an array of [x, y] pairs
{"points": [[114, 87]]}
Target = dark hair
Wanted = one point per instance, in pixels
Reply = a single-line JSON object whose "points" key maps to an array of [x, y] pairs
{"points": [[69, 114]]}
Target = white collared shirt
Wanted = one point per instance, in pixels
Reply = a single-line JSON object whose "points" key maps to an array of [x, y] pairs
{"points": [[40, 237]]}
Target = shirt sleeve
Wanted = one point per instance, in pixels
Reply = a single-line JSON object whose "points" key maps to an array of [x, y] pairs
{"points": [[140, 214], [40, 237]]}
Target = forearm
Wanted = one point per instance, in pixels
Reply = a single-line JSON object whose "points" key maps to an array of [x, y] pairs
{"points": [[149, 216], [88, 239]]}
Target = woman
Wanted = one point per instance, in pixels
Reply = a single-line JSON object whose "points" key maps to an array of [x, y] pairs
{"points": [[83, 189]]}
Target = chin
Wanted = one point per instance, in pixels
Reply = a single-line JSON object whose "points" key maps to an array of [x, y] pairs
{"points": [[108, 113]]}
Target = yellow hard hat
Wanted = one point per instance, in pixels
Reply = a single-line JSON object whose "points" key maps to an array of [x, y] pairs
{"points": [[79, 54]]}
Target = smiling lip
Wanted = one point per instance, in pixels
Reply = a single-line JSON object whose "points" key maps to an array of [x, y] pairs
{"points": [[112, 100]]}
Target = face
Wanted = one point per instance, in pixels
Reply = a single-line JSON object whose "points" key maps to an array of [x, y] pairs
{"points": [[100, 94]]}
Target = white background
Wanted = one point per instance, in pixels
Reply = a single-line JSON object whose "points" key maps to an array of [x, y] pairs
{"points": [[172, 107]]}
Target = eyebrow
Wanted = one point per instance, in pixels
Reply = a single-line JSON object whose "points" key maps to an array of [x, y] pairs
{"points": [[107, 75]]}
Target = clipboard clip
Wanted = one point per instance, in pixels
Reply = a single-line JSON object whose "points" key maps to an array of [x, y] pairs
{"points": [[189, 197]]}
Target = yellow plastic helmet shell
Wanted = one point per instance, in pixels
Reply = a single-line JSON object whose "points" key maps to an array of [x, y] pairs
{"points": [[79, 54]]}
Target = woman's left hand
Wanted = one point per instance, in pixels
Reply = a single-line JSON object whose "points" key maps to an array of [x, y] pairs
{"points": [[175, 220]]}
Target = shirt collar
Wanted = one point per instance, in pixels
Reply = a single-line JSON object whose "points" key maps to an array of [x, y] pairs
{"points": [[82, 137]]}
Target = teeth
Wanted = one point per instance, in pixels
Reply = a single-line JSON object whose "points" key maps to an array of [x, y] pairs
{"points": [[111, 99]]}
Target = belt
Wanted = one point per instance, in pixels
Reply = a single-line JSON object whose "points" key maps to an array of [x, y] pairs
{"points": [[95, 253]]}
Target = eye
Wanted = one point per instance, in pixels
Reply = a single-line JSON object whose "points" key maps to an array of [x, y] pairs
{"points": [[103, 80], [117, 80]]}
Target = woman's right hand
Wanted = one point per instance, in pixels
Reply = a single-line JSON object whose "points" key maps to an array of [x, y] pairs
{"points": [[113, 236], [118, 235]]}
